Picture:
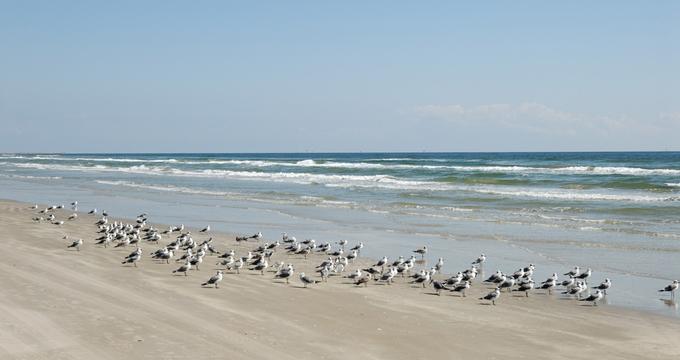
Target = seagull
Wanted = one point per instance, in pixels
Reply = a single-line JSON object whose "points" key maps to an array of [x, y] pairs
{"points": [[166, 256], [342, 243], [495, 277], [132, 258], [261, 267], [34, 206], [73, 216], [461, 288], [92, 212], [548, 285], [196, 260], [594, 297], [526, 287], [285, 273], [671, 288], [381, 262], [338, 252], [184, 268], [440, 263], [76, 244], [398, 262], [574, 272], [576, 290], [388, 276], [479, 260], [354, 275], [423, 279], [569, 282], [585, 275], [492, 296], [306, 281], [422, 251], [438, 287], [508, 283], [358, 247], [214, 280], [606, 284], [455, 280], [238, 265], [205, 229]]}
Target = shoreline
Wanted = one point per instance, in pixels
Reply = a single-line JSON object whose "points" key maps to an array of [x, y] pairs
{"points": [[147, 312]]}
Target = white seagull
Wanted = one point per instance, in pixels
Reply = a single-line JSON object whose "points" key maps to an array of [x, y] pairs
{"points": [[214, 280], [597, 296], [492, 296], [306, 280], [671, 288]]}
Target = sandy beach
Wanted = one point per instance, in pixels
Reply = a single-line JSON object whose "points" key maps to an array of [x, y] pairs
{"points": [[58, 303]]}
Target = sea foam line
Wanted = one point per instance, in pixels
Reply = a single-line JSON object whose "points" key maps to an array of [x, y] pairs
{"points": [[360, 181]]}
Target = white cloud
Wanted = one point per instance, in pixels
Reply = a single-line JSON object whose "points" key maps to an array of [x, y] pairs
{"points": [[529, 117]]}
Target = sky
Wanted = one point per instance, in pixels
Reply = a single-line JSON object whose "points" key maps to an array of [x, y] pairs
{"points": [[345, 76]]}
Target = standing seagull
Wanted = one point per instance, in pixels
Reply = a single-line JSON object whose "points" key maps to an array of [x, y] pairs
{"points": [[526, 287], [285, 273], [132, 259], [597, 296], [585, 275], [671, 288], [461, 288], [214, 280], [574, 272], [183, 269], [76, 244], [306, 281], [205, 229], [548, 285], [606, 284], [492, 296], [481, 259], [422, 251]]}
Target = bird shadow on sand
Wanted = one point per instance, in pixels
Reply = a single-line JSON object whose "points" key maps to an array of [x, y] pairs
{"points": [[486, 304]]}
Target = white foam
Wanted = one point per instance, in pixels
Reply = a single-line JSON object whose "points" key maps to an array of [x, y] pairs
{"points": [[363, 181], [568, 170], [31, 177]]}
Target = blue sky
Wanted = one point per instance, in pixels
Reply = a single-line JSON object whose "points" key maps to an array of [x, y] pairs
{"points": [[219, 76]]}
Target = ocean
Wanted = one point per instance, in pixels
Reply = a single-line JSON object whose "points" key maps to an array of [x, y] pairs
{"points": [[618, 213]]}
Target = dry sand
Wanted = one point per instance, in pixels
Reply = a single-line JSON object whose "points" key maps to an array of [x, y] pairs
{"points": [[63, 304]]}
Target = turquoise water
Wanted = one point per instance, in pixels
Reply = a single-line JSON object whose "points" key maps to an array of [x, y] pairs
{"points": [[618, 213]]}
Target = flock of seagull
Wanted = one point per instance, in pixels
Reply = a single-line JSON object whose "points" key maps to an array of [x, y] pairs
{"points": [[336, 263]]}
